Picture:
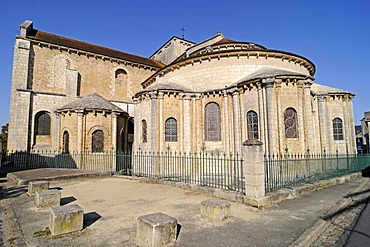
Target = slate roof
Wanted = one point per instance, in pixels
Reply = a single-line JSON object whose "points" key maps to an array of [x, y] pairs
{"points": [[321, 89], [80, 45], [268, 73], [167, 86], [91, 102]]}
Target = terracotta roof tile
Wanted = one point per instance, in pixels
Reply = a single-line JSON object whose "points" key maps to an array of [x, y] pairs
{"points": [[80, 45]]}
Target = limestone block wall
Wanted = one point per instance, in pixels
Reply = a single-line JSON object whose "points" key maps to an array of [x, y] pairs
{"points": [[171, 50], [97, 75], [216, 73], [68, 122]]}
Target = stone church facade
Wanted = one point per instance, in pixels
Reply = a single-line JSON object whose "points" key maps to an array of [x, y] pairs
{"points": [[70, 95]]}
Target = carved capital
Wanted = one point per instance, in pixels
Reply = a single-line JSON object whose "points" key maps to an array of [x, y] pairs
{"points": [[268, 82]]}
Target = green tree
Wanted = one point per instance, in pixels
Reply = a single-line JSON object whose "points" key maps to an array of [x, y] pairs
{"points": [[4, 135]]}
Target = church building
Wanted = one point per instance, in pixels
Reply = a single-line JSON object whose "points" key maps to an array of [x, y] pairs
{"points": [[70, 95]]}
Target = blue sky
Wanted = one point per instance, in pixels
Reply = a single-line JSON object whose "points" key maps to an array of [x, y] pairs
{"points": [[334, 35]]}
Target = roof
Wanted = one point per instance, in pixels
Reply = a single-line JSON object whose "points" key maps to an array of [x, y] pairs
{"points": [[37, 35], [321, 89], [167, 86], [268, 73], [91, 102]]}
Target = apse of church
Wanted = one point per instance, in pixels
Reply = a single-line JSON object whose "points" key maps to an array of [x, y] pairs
{"points": [[70, 95]]}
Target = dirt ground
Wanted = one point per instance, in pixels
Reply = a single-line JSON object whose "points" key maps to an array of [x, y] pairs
{"points": [[112, 205]]}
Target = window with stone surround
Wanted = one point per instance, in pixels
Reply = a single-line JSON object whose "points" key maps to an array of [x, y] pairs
{"points": [[212, 123], [97, 141], [290, 122], [120, 76], [337, 129], [65, 142], [252, 122], [144, 131], [171, 130], [43, 123]]}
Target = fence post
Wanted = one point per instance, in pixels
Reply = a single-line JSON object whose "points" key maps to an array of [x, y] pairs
{"points": [[254, 169]]}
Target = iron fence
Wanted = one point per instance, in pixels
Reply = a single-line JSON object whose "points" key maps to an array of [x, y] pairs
{"points": [[290, 170], [206, 169]]}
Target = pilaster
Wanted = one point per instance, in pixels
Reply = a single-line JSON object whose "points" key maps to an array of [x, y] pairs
{"points": [[322, 123], [270, 110], [226, 122], [153, 122], [187, 124], [309, 129]]}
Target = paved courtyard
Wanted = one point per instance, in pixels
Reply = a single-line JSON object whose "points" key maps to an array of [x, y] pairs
{"points": [[112, 205]]}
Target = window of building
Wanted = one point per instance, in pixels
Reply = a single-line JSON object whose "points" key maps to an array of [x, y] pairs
{"points": [[212, 122], [171, 130], [144, 131], [43, 123], [290, 121], [65, 142], [337, 129], [120, 76], [252, 122], [97, 141]]}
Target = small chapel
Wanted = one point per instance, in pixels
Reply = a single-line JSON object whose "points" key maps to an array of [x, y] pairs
{"points": [[70, 95]]}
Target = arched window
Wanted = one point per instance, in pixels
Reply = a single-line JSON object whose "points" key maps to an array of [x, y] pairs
{"points": [[290, 121], [171, 130], [212, 122], [43, 123], [252, 122], [120, 76], [65, 142], [144, 131], [337, 129], [97, 141]]}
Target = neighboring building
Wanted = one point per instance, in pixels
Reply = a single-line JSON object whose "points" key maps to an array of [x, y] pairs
{"points": [[365, 132], [361, 148], [187, 97]]}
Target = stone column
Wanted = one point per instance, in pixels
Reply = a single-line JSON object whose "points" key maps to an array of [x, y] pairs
{"points": [[254, 170], [196, 124], [301, 112], [137, 130], [270, 112], [114, 140], [161, 122], [55, 140], [187, 124], [280, 120], [236, 122], [226, 123], [153, 122], [352, 148], [308, 116], [80, 114], [261, 112], [322, 122]]}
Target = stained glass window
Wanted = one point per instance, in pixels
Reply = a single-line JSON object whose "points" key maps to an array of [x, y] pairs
{"points": [[43, 124], [98, 141], [337, 129], [171, 130], [252, 122], [144, 131], [290, 121], [212, 122]]}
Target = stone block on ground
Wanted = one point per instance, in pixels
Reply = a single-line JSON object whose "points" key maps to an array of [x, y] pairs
{"points": [[66, 219], [34, 186], [156, 230], [47, 198], [215, 211]]}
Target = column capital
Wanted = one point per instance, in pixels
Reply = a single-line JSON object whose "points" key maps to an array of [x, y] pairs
{"points": [[153, 95], [160, 95], [80, 112], [321, 98], [269, 82], [300, 83], [186, 96]]}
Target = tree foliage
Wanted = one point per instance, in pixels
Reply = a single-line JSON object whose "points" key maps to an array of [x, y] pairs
{"points": [[4, 136]]}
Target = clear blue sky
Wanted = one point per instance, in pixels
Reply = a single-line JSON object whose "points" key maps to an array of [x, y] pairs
{"points": [[334, 35]]}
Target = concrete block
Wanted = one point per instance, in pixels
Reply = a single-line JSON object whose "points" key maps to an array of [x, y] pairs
{"points": [[66, 219], [156, 230], [34, 186], [47, 198], [215, 211]]}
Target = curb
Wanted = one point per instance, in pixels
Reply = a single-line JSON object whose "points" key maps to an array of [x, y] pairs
{"points": [[310, 235]]}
